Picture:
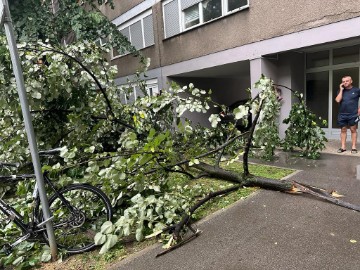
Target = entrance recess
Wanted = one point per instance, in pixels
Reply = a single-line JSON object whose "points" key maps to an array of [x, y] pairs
{"points": [[324, 71]]}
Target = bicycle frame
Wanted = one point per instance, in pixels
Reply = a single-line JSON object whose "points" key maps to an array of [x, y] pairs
{"points": [[34, 227]]}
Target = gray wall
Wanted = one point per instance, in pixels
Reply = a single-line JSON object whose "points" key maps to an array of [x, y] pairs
{"points": [[225, 91], [290, 74], [263, 20], [121, 6]]}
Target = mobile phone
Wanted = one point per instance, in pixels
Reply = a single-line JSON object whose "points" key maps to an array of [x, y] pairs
{"points": [[357, 119]]}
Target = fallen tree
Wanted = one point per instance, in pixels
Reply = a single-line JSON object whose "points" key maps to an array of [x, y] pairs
{"points": [[132, 149]]}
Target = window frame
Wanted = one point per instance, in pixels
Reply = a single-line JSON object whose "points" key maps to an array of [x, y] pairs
{"points": [[133, 21], [224, 12], [183, 19], [151, 85]]}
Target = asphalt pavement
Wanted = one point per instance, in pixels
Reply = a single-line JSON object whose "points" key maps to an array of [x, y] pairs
{"points": [[273, 230]]}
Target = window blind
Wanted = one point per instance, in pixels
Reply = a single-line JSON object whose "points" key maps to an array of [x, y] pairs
{"points": [[136, 35], [188, 3], [148, 30], [171, 18]]}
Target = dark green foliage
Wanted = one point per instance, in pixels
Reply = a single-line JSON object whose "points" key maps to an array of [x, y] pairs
{"points": [[303, 131]]}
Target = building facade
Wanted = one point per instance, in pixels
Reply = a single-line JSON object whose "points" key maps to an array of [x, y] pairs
{"points": [[225, 45]]}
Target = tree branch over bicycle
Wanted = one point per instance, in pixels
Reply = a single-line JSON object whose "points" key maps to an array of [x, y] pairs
{"points": [[132, 165], [136, 164]]}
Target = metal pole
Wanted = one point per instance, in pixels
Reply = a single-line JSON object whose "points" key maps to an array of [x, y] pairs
{"points": [[6, 19]]}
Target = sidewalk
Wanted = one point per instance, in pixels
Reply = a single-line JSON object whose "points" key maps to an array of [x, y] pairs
{"points": [[333, 145], [273, 230]]}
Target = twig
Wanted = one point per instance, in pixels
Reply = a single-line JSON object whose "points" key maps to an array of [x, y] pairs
{"points": [[249, 141], [320, 194]]}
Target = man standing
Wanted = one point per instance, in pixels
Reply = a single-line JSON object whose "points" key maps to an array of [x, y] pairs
{"points": [[348, 97]]}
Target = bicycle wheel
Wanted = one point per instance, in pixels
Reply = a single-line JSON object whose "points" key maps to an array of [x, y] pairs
{"points": [[79, 217]]}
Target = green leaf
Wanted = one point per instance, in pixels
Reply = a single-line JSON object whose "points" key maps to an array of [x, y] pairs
{"points": [[168, 244], [99, 239], [107, 228], [214, 120], [56, 166], [36, 95], [90, 149], [139, 234], [156, 233], [110, 242], [18, 260], [240, 112], [46, 256]]}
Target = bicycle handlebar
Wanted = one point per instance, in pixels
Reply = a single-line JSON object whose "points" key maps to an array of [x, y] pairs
{"points": [[6, 164], [41, 153], [50, 152], [19, 177]]}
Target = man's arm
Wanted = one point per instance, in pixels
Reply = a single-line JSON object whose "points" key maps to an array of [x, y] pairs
{"points": [[340, 94]]}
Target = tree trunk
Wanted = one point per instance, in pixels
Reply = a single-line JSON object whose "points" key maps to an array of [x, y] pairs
{"points": [[250, 181]]}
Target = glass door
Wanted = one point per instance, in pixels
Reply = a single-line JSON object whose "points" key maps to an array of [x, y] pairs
{"points": [[317, 94]]}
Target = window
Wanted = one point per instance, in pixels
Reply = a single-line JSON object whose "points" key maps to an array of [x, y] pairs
{"points": [[236, 4], [152, 88], [101, 41], [191, 16], [324, 70], [180, 15], [134, 91], [126, 33], [171, 15], [317, 59], [202, 12], [136, 35], [346, 55], [207, 10], [211, 9], [139, 31]]}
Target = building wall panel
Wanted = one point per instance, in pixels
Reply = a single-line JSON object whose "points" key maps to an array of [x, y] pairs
{"points": [[121, 6], [261, 21]]}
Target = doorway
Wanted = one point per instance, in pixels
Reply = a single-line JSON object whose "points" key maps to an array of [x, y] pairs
{"points": [[324, 71]]}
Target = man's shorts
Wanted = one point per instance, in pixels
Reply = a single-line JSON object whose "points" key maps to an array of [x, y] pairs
{"points": [[345, 119]]}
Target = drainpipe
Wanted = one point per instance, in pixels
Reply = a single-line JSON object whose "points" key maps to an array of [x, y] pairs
{"points": [[5, 19]]}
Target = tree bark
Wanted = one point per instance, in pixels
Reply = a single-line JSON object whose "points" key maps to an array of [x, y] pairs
{"points": [[250, 181], [218, 172]]}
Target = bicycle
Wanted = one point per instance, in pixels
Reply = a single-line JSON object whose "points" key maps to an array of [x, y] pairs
{"points": [[78, 211]]}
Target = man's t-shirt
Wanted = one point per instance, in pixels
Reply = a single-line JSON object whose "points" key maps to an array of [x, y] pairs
{"points": [[350, 101]]}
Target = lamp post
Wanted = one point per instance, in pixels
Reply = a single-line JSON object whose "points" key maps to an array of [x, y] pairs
{"points": [[5, 20]]}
